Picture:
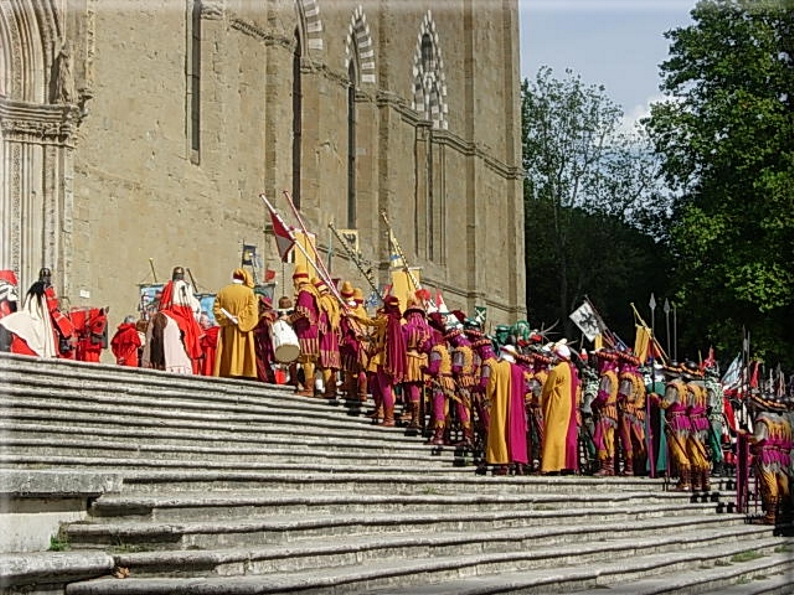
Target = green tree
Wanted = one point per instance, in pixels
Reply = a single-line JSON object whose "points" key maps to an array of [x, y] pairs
{"points": [[726, 135], [592, 205]]}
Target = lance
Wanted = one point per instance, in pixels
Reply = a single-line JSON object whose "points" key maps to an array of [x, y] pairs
{"points": [[649, 420], [310, 260], [666, 308], [355, 258], [396, 245], [675, 333], [324, 274]]}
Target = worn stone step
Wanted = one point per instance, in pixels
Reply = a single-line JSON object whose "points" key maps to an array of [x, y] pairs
{"points": [[219, 532], [235, 505], [769, 575], [414, 573], [15, 407], [25, 460], [217, 438], [54, 446], [152, 481], [587, 542], [265, 402], [44, 571]]}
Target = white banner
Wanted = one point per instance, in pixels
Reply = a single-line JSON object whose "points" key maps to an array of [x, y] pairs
{"points": [[586, 320]]}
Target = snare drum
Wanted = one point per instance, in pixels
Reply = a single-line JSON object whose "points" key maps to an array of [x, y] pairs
{"points": [[285, 342]]}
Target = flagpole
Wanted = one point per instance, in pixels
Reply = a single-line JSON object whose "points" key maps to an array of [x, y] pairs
{"points": [[327, 276], [310, 260]]}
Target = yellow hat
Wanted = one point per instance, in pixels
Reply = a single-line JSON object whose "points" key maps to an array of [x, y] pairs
{"points": [[347, 290], [358, 295], [300, 272]]}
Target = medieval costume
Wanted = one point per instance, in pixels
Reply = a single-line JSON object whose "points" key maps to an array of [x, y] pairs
{"points": [[328, 326], [8, 293], [126, 343], [91, 333], [209, 345], [606, 413], [675, 405], [351, 351], [559, 403], [463, 375], [263, 341], [697, 400], [304, 321], [417, 336], [631, 414], [771, 444], [388, 362], [31, 328], [442, 386], [236, 311], [178, 303]]}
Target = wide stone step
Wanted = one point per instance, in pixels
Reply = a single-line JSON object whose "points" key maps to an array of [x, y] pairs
{"points": [[236, 505], [370, 444], [771, 574], [219, 532], [309, 465], [40, 571], [45, 448], [266, 401], [386, 574], [588, 543], [398, 482], [16, 407]]}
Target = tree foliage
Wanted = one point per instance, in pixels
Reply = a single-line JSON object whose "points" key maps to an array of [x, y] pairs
{"points": [[726, 136], [592, 204]]}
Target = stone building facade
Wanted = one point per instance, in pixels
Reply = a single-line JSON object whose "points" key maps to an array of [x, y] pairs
{"points": [[146, 129]]}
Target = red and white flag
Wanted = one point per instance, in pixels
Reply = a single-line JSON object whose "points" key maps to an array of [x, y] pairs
{"points": [[285, 240]]}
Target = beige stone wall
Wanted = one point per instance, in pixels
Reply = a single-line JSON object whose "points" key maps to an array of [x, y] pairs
{"points": [[138, 194]]}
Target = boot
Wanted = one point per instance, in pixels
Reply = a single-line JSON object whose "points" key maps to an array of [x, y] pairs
{"points": [[628, 466], [684, 484], [437, 439], [607, 468], [388, 418], [468, 437], [377, 413], [414, 425], [705, 482], [695, 478]]}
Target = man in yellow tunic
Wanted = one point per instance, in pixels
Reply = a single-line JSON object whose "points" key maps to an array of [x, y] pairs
{"points": [[558, 401], [497, 393], [236, 311]]}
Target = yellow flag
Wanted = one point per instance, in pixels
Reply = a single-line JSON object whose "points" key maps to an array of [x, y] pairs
{"points": [[642, 341], [598, 342]]}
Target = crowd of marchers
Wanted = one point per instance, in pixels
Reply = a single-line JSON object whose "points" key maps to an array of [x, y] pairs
{"points": [[516, 402]]}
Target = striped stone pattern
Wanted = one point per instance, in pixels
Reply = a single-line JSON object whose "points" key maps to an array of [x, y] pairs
{"points": [[359, 40], [430, 88], [310, 10]]}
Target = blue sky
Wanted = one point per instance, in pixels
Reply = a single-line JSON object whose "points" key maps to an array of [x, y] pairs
{"points": [[617, 43]]}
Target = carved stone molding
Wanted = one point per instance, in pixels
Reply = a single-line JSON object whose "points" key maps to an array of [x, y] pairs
{"points": [[39, 123], [213, 10]]}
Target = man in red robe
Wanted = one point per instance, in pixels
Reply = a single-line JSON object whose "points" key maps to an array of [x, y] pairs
{"points": [[126, 342], [179, 304]]}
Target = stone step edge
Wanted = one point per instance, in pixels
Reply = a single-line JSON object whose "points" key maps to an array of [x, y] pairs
{"points": [[161, 530], [310, 548], [328, 578], [191, 399], [52, 567]]}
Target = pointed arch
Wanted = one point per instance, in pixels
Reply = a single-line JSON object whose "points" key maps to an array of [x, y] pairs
{"points": [[359, 48], [310, 25], [429, 80]]}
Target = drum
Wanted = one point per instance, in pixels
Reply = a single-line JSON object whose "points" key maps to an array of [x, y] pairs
{"points": [[285, 342]]}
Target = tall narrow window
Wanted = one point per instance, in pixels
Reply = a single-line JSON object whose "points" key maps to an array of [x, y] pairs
{"points": [[297, 120], [351, 145], [194, 75]]}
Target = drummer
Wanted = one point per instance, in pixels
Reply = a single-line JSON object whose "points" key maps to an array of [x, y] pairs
{"points": [[265, 357]]}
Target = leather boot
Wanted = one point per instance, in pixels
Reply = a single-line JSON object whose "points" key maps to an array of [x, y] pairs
{"points": [[628, 467], [684, 484], [437, 439], [388, 418], [414, 425], [607, 468], [468, 437], [705, 482], [377, 413], [695, 477]]}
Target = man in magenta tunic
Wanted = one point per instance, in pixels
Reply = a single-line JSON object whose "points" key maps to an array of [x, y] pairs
{"points": [[304, 321]]}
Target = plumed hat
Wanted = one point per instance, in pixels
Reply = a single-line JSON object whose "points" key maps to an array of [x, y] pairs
{"points": [[414, 305]]}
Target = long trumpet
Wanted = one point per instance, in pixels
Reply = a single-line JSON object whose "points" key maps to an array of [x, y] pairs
{"points": [[356, 257], [397, 248]]}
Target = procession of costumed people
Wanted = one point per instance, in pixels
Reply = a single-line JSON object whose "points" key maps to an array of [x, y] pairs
{"points": [[515, 401]]}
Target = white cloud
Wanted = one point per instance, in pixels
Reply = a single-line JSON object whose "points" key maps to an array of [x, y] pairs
{"points": [[633, 115]]}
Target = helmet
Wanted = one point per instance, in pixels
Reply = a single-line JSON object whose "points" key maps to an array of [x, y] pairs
{"points": [[178, 274]]}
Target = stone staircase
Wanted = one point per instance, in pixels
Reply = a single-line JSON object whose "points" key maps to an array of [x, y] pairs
{"points": [[203, 485]]}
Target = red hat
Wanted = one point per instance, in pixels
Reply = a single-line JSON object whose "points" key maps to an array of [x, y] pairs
{"points": [[391, 300]]}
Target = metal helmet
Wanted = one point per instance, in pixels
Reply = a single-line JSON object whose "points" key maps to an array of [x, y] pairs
{"points": [[45, 276], [178, 274]]}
